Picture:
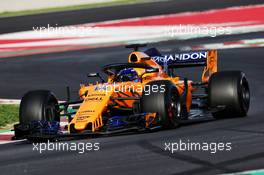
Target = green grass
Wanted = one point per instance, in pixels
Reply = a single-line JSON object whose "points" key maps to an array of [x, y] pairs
{"points": [[8, 114], [68, 8]]}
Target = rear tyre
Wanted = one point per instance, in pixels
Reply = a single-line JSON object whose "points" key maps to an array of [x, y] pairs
{"points": [[40, 105], [165, 102], [229, 90]]}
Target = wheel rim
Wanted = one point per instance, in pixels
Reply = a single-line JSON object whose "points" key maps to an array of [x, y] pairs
{"points": [[51, 111], [245, 94], [173, 109]]}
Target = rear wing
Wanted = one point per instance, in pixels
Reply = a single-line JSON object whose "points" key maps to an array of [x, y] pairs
{"points": [[206, 59]]}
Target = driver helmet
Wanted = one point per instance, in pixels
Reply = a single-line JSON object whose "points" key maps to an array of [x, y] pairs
{"points": [[128, 74]]}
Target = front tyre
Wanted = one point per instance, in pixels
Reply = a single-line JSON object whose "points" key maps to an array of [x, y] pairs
{"points": [[40, 105], [165, 102], [38, 113]]}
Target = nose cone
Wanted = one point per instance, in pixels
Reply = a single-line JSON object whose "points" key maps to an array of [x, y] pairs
{"points": [[80, 125]]}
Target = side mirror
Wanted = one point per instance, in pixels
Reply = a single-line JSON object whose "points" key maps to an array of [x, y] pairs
{"points": [[152, 70], [96, 75], [149, 70]]}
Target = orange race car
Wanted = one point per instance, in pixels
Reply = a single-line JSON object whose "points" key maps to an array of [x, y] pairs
{"points": [[142, 95]]}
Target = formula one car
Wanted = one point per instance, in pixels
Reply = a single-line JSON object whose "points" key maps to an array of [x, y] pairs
{"points": [[143, 94]]}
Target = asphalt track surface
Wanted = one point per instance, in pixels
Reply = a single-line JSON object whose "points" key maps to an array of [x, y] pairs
{"points": [[138, 153]]}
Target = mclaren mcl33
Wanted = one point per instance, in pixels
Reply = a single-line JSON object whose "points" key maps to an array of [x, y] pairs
{"points": [[143, 94]]}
